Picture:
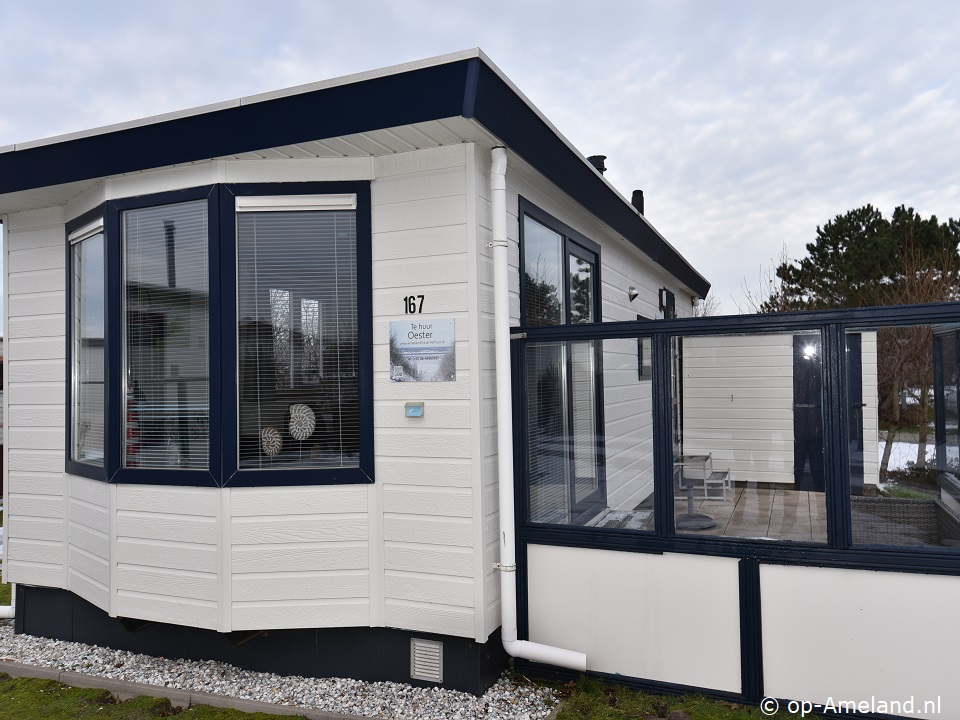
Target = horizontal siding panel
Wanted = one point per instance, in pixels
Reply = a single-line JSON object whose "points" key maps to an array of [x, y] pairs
{"points": [[441, 414], [30, 239], [41, 257], [192, 613], [172, 500], [247, 502], [281, 558], [43, 393], [36, 303], [447, 502], [94, 542], [35, 371], [421, 272], [41, 281], [298, 529], [428, 559], [445, 182], [33, 528], [195, 586], [34, 483], [34, 551], [424, 618], [451, 298], [95, 568], [300, 614], [759, 415], [33, 416], [430, 212], [177, 528], [426, 588], [35, 438], [38, 326], [91, 516], [43, 348], [428, 530], [31, 573], [421, 160], [89, 590], [94, 492], [421, 242], [173, 556], [38, 506], [386, 389], [412, 471], [300, 586], [423, 444]]}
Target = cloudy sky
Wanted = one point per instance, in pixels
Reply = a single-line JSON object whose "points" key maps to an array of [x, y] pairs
{"points": [[747, 124]]}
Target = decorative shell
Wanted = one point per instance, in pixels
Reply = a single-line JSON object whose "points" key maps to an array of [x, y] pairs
{"points": [[302, 421], [271, 441]]}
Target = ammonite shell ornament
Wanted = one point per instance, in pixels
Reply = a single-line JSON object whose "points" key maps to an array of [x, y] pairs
{"points": [[302, 421], [271, 442]]}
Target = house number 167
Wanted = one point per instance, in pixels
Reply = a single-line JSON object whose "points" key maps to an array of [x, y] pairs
{"points": [[413, 304]]}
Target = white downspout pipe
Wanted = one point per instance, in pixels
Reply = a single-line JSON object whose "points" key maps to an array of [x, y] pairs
{"points": [[8, 612], [501, 323]]}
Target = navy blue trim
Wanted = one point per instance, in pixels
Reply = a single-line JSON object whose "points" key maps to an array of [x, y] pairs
{"points": [[662, 438], [509, 118], [751, 631], [71, 466], [467, 88], [232, 475], [415, 96], [117, 401]]}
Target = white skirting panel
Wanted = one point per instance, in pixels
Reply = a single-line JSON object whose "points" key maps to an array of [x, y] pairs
{"points": [[854, 635], [669, 618]]}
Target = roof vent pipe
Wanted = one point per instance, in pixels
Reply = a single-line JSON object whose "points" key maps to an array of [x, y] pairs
{"points": [[637, 200], [501, 331], [597, 162]]}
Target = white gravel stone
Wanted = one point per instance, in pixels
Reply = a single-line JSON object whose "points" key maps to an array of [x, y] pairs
{"points": [[506, 700]]}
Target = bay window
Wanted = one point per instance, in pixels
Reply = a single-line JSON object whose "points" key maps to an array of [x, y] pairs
{"points": [[234, 347]]}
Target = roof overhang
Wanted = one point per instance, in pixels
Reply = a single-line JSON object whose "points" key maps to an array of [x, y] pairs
{"points": [[463, 85]]}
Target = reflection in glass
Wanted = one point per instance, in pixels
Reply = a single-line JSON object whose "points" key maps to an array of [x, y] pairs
{"points": [[543, 252], [749, 451], [581, 290], [88, 350]]}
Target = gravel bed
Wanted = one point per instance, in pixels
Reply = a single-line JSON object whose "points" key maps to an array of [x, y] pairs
{"points": [[506, 700]]}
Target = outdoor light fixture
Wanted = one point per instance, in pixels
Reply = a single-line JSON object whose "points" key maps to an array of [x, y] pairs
{"points": [[668, 303], [632, 293]]}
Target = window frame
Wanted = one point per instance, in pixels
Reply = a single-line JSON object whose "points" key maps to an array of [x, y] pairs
{"points": [[78, 224], [222, 470], [574, 243]]}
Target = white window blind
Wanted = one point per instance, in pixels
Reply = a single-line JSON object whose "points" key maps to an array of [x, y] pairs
{"points": [[297, 333], [88, 347], [166, 343]]}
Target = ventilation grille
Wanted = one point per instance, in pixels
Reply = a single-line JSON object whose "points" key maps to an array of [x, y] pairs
{"points": [[426, 660]]}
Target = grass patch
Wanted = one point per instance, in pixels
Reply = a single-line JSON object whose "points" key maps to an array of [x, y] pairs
{"points": [[895, 491], [33, 699], [590, 699], [4, 591]]}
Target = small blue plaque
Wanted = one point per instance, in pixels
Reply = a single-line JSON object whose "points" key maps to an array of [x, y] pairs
{"points": [[413, 410]]}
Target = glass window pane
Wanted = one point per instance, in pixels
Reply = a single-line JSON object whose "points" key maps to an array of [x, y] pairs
{"points": [[166, 344], [749, 436], [898, 496], [589, 432], [88, 350], [297, 329], [581, 290], [543, 274]]}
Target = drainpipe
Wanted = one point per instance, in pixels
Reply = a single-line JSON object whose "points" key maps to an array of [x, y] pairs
{"points": [[8, 612], [508, 559]]}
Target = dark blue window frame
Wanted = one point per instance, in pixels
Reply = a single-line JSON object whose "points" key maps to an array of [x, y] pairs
{"points": [[223, 452]]}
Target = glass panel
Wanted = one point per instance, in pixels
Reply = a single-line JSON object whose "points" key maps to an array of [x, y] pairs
{"points": [[749, 458], [166, 346], [543, 275], [948, 457], [589, 432], [581, 290], [298, 356], [88, 350], [898, 496]]}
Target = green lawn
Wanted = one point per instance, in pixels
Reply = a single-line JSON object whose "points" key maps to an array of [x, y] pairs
{"points": [[32, 699], [589, 699]]}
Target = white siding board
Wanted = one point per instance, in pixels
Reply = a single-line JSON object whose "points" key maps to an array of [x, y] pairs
{"points": [[251, 502], [42, 393], [33, 326], [309, 557], [168, 499], [179, 611], [40, 304], [24, 371], [194, 586], [33, 528], [419, 243], [32, 573], [430, 588], [166, 554], [318, 613], [298, 529], [430, 530], [90, 540], [38, 281], [28, 463], [448, 502], [443, 472], [42, 552], [428, 618], [429, 559], [260, 587], [157, 526]]}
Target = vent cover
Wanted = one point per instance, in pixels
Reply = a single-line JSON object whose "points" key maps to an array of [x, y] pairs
{"points": [[426, 660]]}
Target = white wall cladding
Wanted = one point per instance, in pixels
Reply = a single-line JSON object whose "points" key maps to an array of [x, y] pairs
{"points": [[88, 537], [425, 491], [819, 624], [299, 557], [35, 498], [670, 618]]}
